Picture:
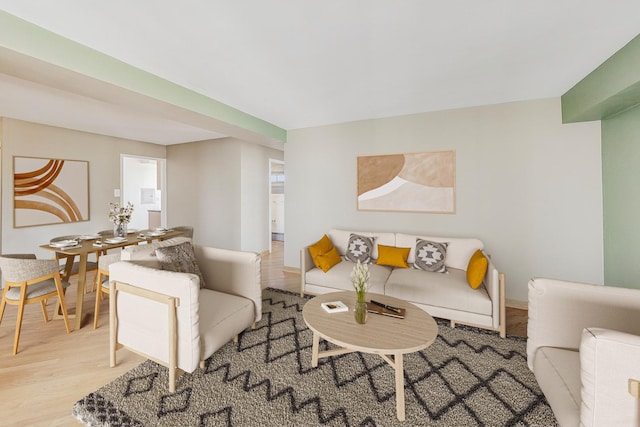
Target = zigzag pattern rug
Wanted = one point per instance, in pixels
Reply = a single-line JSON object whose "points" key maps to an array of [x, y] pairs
{"points": [[466, 377]]}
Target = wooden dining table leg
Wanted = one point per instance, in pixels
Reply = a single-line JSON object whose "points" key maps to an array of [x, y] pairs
{"points": [[66, 273], [82, 281]]}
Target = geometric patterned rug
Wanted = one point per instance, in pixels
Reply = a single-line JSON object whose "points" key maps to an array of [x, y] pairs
{"points": [[467, 377]]}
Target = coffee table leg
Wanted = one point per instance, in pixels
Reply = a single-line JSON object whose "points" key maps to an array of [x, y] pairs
{"points": [[399, 386], [314, 350]]}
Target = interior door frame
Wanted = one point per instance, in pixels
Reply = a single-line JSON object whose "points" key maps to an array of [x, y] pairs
{"points": [[271, 161], [162, 172]]}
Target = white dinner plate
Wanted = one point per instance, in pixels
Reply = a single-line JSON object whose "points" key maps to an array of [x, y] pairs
{"points": [[157, 233], [63, 243], [89, 237], [115, 240]]}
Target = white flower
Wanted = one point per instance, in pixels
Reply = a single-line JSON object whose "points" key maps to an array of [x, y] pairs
{"points": [[120, 214], [360, 277]]}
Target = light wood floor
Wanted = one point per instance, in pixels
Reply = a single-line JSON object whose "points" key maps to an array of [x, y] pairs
{"points": [[53, 370]]}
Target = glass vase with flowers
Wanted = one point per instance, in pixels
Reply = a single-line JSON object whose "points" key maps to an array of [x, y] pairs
{"points": [[360, 281], [120, 217]]}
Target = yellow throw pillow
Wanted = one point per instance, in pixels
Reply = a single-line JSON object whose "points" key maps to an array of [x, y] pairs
{"points": [[324, 254], [322, 246], [476, 269], [326, 261], [392, 256]]}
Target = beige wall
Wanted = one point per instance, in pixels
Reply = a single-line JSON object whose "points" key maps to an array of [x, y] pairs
{"points": [[527, 185], [222, 188], [103, 153]]}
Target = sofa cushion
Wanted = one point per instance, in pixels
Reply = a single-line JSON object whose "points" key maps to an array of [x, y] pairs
{"points": [[392, 256], [359, 248], [558, 373], [339, 277], [443, 290], [179, 258], [340, 239], [430, 256], [459, 250], [477, 269]]}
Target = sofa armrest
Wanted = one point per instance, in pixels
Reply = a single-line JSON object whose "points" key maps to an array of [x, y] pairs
{"points": [[494, 283], [232, 272], [143, 324], [608, 359], [306, 264], [560, 310]]}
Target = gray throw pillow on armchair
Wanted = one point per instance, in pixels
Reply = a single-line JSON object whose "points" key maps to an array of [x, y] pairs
{"points": [[180, 258]]}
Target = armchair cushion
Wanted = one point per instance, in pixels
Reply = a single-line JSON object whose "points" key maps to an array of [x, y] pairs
{"points": [[179, 258], [558, 374]]}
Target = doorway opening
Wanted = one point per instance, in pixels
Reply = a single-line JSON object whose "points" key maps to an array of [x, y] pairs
{"points": [[276, 194], [143, 185]]}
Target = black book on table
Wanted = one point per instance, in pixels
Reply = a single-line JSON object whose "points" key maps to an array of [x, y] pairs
{"points": [[373, 308]]}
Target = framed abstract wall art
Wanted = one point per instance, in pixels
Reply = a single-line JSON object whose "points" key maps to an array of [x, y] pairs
{"points": [[411, 182], [49, 191]]}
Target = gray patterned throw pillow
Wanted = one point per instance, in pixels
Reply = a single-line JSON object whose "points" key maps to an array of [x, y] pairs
{"points": [[180, 258], [430, 256], [359, 248]]}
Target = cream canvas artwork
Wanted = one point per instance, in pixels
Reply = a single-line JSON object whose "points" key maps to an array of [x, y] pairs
{"points": [[49, 191], [411, 182]]}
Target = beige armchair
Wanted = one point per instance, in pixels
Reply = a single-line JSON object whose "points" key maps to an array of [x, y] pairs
{"points": [[584, 348], [167, 317], [29, 280]]}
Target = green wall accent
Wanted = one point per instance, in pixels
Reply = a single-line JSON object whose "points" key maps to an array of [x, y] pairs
{"points": [[28, 39], [621, 198], [611, 88]]}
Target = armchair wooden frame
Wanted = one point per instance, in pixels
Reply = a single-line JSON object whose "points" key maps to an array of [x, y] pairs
{"points": [[172, 340]]}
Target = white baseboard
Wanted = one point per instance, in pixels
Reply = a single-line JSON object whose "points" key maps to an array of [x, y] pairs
{"points": [[295, 270], [522, 305]]}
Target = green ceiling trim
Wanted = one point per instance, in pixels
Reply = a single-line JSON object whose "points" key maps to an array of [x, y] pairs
{"points": [[611, 88], [29, 39]]}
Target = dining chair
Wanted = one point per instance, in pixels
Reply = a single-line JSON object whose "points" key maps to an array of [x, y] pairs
{"points": [[187, 230], [29, 280], [102, 280]]}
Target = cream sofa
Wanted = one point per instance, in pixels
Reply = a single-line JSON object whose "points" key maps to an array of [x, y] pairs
{"points": [[167, 317], [583, 347], [447, 296]]}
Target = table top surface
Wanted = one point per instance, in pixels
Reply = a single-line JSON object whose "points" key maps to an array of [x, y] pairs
{"points": [[87, 246], [380, 334]]}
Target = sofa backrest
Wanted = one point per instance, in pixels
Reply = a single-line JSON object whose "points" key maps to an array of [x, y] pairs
{"points": [[459, 250], [145, 254]]}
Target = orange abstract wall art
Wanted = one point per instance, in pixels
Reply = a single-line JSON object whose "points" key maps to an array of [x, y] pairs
{"points": [[49, 191], [411, 182]]}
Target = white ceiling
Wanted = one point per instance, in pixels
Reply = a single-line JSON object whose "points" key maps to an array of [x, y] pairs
{"points": [[298, 63]]}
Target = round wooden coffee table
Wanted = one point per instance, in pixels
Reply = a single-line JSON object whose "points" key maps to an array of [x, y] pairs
{"points": [[383, 335]]}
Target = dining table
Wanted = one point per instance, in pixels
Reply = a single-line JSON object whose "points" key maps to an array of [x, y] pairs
{"points": [[94, 244]]}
